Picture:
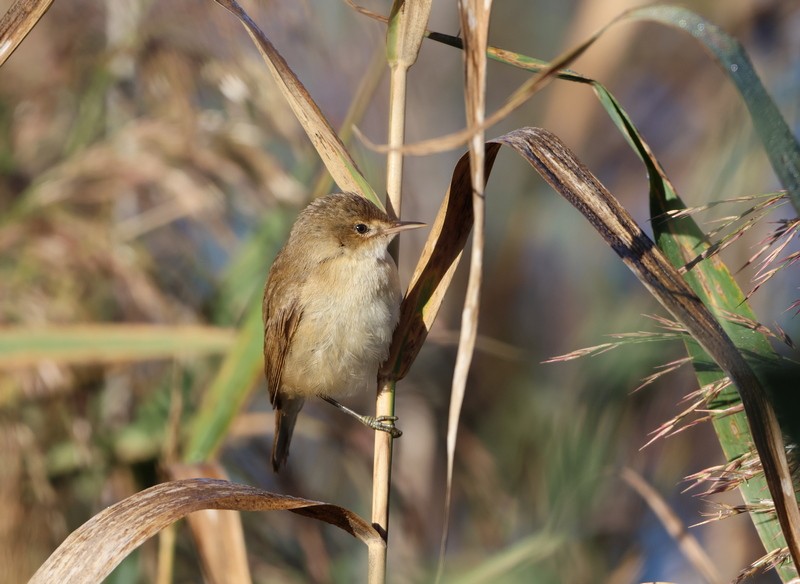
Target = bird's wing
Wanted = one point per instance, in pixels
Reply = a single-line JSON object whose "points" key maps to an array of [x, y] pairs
{"points": [[280, 323]]}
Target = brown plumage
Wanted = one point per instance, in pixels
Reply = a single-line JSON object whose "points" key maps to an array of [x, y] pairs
{"points": [[331, 302]]}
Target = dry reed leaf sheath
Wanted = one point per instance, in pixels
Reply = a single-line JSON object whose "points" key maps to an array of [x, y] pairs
{"points": [[92, 551], [407, 25], [404, 34], [435, 267]]}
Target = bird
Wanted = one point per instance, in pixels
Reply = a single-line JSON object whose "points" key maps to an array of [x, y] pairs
{"points": [[331, 303]]}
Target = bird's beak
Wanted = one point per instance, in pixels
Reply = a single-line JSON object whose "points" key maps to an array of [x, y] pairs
{"points": [[398, 226]]}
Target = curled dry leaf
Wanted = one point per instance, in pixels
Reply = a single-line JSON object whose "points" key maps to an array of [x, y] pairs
{"points": [[435, 268], [559, 167], [91, 552]]}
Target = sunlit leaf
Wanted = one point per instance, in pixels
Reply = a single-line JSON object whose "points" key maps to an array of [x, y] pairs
{"points": [[92, 551]]}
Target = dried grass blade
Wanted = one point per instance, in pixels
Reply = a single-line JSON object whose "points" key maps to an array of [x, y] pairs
{"points": [[17, 22], [92, 551], [330, 148], [475, 16], [515, 100], [687, 543]]}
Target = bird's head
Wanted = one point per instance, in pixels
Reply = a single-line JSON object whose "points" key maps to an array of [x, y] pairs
{"points": [[348, 223]]}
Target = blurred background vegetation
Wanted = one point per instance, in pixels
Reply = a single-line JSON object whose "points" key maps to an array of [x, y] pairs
{"points": [[149, 170]]}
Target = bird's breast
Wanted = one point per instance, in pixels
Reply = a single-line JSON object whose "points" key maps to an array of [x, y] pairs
{"points": [[350, 309]]}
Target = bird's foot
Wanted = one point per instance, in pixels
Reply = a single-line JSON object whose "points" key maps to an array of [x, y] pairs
{"points": [[383, 424]]}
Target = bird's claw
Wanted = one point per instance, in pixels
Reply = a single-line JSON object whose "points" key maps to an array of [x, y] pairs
{"points": [[386, 424]]}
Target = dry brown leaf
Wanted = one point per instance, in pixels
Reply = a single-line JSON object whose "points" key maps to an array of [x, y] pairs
{"points": [[337, 160], [17, 22], [435, 268], [91, 552]]}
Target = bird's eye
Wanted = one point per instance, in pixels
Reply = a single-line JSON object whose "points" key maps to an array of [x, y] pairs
{"points": [[361, 228]]}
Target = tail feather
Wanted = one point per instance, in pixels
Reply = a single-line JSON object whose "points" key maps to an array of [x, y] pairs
{"points": [[285, 417]]}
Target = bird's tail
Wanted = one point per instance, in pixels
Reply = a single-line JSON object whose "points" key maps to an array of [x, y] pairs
{"points": [[285, 417]]}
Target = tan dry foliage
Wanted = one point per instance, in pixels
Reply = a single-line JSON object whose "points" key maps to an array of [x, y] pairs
{"points": [[92, 551]]}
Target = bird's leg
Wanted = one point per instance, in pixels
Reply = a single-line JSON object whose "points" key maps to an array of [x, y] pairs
{"points": [[382, 423]]}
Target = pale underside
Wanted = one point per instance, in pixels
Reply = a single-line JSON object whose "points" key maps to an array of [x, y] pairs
{"points": [[335, 356]]}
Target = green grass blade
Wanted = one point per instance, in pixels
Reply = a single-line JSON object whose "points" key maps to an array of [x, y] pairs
{"points": [[526, 553], [779, 142], [690, 307], [681, 239], [243, 281], [104, 343], [235, 379]]}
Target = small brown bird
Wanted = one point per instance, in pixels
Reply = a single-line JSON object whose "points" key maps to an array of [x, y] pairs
{"points": [[331, 303]]}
